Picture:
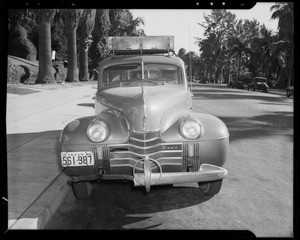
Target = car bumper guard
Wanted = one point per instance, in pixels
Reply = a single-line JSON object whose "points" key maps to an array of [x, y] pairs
{"points": [[206, 173]]}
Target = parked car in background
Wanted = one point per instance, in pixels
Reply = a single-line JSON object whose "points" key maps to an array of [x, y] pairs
{"points": [[241, 82], [290, 91], [144, 129], [259, 84]]}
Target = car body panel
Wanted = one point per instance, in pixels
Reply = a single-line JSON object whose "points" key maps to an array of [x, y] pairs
{"points": [[144, 123]]}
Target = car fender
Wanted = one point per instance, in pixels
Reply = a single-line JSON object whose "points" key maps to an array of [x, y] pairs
{"points": [[212, 127], [75, 133]]}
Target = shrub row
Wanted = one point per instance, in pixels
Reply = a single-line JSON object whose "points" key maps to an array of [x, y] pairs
{"points": [[23, 74]]}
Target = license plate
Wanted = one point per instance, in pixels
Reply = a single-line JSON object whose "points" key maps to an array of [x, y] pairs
{"points": [[74, 159]]}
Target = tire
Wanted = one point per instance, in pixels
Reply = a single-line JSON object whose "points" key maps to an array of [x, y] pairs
{"points": [[210, 188], [82, 190]]}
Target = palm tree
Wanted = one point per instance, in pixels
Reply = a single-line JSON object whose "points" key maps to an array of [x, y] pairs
{"points": [[85, 28], [123, 23], [72, 17], [98, 50], [285, 47], [44, 18]]}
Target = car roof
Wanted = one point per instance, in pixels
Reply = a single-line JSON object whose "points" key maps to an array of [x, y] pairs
{"points": [[142, 58]]}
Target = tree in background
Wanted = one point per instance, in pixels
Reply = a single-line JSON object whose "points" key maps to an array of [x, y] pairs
{"points": [[72, 17], [284, 48], [85, 28], [214, 49], [44, 18], [19, 40], [191, 60], [59, 37], [123, 23], [98, 50]]}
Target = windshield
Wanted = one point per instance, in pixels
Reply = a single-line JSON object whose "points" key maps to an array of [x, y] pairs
{"points": [[132, 73]]}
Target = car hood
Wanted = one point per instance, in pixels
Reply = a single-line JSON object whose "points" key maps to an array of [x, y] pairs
{"points": [[144, 107]]}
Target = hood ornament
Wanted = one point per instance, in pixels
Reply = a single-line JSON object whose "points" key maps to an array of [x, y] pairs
{"points": [[145, 126]]}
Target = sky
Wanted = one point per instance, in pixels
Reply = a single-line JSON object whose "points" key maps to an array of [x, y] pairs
{"points": [[183, 24]]}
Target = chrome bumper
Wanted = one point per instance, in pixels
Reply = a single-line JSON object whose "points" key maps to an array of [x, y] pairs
{"points": [[206, 173]]}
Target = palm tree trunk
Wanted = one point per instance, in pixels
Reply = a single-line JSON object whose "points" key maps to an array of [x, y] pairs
{"points": [[228, 74], [83, 63], [239, 66], [72, 75], [45, 74]]}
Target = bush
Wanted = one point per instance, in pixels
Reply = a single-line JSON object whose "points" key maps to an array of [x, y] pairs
{"points": [[33, 74], [14, 73], [19, 44], [61, 72]]}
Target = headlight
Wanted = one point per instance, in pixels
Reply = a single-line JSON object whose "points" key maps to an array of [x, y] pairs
{"points": [[191, 129], [98, 131]]}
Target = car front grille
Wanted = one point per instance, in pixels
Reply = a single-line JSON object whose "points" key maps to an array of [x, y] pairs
{"points": [[121, 158]]}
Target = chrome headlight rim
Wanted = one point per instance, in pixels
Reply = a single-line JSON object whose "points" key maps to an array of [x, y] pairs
{"points": [[191, 120], [104, 125]]}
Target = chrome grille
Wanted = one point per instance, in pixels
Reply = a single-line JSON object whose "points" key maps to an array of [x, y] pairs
{"points": [[193, 161], [142, 144], [121, 158]]}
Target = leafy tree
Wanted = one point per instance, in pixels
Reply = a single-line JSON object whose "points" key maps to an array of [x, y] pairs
{"points": [[44, 18], [284, 48], [59, 37], [181, 52], [85, 28], [19, 40], [72, 17], [218, 28], [98, 50], [123, 23]]}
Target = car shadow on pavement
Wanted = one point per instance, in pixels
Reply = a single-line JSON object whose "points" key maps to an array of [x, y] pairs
{"points": [[279, 123], [234, 95], [119, 205]]}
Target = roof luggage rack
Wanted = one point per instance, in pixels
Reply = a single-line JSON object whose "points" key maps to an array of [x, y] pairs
{"points": [[140, 45]]}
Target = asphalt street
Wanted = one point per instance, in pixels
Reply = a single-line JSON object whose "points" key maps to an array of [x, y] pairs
{"points": [[257, 194]]}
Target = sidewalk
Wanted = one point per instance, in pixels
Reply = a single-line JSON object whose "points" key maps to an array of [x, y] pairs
{"points": [[33, 123]]}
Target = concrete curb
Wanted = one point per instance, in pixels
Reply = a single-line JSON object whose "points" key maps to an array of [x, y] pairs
{"points": [[42, 209]]}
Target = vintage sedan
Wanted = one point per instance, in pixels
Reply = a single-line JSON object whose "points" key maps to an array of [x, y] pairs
{"points": [[144, 129], [259, 84]]}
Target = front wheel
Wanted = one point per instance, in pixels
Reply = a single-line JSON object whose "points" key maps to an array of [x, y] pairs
{"points": [[82, 190], [210, 188]]}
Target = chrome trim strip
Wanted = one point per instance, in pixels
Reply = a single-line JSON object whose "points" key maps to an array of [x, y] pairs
{"points": [[156, 145], [136, 160], [144, 155], [129, 165], [143, 141]]}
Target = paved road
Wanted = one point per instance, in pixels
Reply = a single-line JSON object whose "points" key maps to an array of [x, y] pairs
{"points": [[257, 195]]}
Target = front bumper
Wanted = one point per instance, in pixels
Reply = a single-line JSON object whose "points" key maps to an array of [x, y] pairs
{"points": [[206, 173]]}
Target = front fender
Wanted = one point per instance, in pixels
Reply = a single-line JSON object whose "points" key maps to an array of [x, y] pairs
{"points": [[213, 128], [75, 133]]}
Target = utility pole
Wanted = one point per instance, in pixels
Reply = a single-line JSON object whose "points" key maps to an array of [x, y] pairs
{"points": [[190, 72]]}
